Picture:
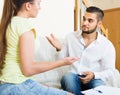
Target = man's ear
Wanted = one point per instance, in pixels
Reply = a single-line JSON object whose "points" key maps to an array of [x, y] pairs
{"points": [[28, 6], [99, 23]]}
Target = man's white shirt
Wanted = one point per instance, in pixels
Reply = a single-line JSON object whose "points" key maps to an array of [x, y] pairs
{"points": [[98, 57]]}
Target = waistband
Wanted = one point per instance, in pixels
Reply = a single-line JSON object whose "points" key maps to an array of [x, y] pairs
{"points": [[1, 82]]}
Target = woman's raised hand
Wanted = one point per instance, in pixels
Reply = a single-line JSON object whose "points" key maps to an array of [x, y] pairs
{"points": [[54, 42], [69, 60]]}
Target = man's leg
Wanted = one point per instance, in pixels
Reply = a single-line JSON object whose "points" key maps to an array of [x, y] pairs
{"points": [[70, 82]]}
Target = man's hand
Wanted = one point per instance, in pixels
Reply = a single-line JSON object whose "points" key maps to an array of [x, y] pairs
{"points": [[54, 42], [88, 78]]}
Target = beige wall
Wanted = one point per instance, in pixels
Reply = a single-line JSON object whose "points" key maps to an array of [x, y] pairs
{"points": [[105, 4]]}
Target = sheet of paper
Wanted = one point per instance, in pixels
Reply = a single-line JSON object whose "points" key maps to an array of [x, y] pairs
{"points": [[102, 90]]}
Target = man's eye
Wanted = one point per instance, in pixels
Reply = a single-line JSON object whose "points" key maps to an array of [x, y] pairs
{"points": [[90, 20]]}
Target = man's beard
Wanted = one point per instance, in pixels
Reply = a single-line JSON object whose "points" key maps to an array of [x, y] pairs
{"points": [[90, 31]]}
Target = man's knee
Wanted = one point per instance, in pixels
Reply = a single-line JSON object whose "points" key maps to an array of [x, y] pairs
{"points": [[68, 76]]}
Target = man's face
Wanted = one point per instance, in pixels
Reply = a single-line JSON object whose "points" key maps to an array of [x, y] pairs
{"points": [[90, 23]]}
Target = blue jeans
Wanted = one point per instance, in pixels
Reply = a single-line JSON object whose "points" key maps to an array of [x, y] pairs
{"points": [[29, 87], [71, 82]]}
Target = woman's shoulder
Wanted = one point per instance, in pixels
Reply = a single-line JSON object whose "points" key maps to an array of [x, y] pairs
{"points": [[19, 20]]}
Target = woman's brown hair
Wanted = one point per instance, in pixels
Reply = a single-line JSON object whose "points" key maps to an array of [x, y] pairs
{"points": [[10, 9]]}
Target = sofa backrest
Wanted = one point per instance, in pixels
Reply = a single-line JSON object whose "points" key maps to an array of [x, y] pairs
{"points": [[44, 51]]}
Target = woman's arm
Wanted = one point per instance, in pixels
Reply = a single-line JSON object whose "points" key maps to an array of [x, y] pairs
{"points": [[28, 66]]}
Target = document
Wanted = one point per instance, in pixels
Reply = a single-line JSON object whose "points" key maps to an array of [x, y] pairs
{"points": [[102, 90]]}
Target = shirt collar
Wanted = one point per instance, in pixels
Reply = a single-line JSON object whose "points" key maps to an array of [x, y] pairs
{"points": [[79, 36], [98, 37]]}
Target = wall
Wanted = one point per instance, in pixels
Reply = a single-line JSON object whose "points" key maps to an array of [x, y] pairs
{"points": [[56, 16], [105, 4]]}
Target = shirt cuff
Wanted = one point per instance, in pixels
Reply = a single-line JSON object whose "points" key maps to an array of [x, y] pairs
{"points": [[96, 75]]}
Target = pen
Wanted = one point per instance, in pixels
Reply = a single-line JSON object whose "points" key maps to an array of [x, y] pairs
{"points": [[99, 91]]}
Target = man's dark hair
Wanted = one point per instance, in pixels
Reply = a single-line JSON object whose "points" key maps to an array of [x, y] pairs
{"points": [[98, 11]]}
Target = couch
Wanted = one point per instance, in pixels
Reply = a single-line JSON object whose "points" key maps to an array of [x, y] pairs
{"points": [[45, 52]]}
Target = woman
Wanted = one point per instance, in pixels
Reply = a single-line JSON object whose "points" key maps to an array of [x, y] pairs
{"points": [[17, 49]]}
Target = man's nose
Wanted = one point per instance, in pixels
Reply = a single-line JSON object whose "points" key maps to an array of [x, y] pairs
{"points": [[85, 22]]}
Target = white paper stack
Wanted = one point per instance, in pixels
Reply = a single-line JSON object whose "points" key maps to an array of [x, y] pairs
{"points": [[102, 90]]}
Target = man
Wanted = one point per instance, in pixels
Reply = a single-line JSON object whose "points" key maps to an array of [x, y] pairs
{"points": [[96, 54]]}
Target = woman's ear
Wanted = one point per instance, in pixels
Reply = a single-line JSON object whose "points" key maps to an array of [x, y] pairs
{"points": [[28, 5]]}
